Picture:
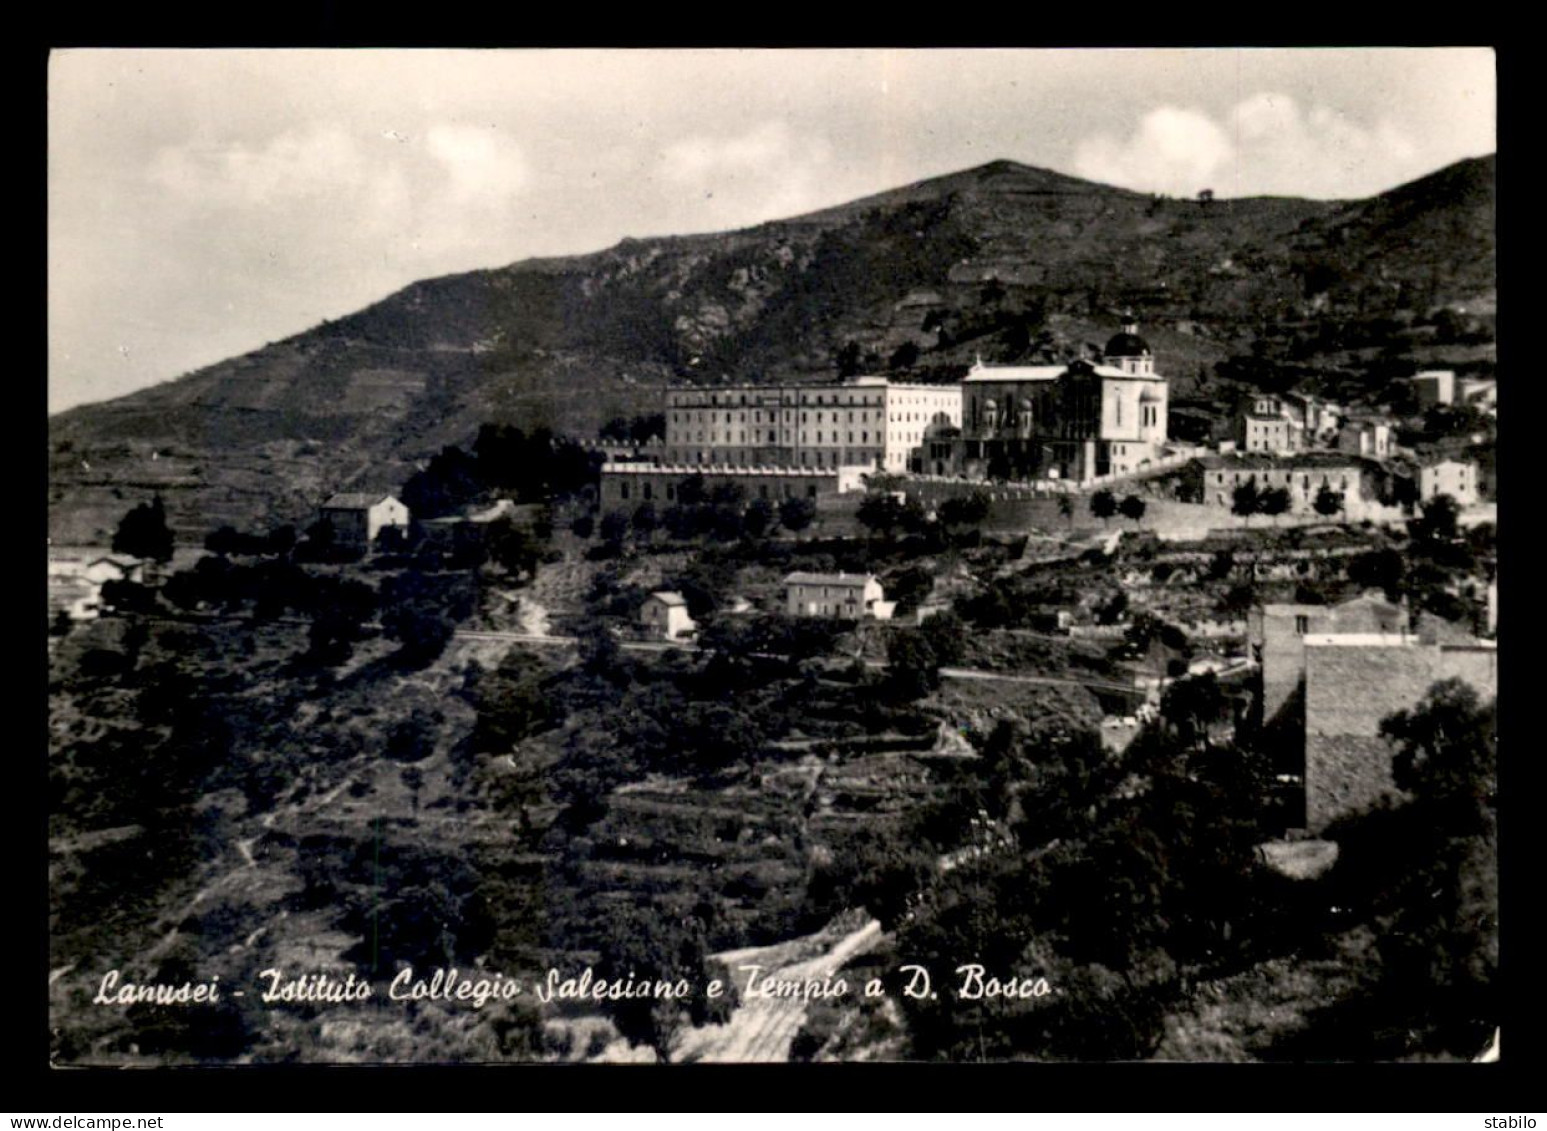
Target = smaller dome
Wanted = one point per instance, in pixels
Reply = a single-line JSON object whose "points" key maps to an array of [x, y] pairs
{"points": [[1127, 345]]}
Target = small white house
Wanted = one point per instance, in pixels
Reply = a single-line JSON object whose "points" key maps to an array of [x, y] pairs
{"points": [[665, 614], [114, 567], [1454, 477], [357, 517], [841, 596]]}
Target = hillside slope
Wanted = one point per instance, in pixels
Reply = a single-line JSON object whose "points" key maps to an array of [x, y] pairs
{"points": [[1004, 261]]}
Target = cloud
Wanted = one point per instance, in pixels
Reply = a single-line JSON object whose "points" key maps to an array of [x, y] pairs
{"points": [[448, 189], [1267, 144], [768, 172], [479, 163]]}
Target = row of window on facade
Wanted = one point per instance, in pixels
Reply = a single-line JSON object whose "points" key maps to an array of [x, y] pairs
{"points": [[1267, 477], [805, 417], [647, 491], [836, 458], [741, 438]]}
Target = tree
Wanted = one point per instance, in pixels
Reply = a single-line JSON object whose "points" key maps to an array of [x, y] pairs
{"points": [[912, 665], [905, 356], [1446, 753], [797, 513], [223, 540], [1191, 705], [881, 513], [1066, 507], [583, 526], [1328, 502], [1274, 502], [646, 945], [452, 479], [759, 517], [512, 547], [421, 629], [965, 510], [909, 588], [645, 519], [946, 635], [614, 528], [143, 533], [1103, 504], [1245, 501], [1206, 197], [1133, 507], [413, 739], [1438, 523]]}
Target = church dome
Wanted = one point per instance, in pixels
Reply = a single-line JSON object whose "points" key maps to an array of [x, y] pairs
{"points": [[1127, 344]]}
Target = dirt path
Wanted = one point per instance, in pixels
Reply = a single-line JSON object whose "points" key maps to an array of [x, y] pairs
{"points": [[762, 1029]]}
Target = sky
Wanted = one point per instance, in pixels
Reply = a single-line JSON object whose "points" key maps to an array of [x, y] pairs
{"points": [[205, 202]]}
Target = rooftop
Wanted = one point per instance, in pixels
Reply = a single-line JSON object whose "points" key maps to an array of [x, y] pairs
{"points": [[355, 500], [980, 373], [1250, 460], [802, 577], [668, 598], [709, 469]]}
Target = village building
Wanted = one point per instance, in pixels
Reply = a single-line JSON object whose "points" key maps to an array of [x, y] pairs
{"points": [[114, 567], [867, 422], [1213, 479], [838, 596], [1078, 421], [1263, 426], [1479, 392], [358, 517], [1353, 682], [665, 614], [1365, 436], [1435, 386], [469, 530], [1286, 423], [1316, 419], [1446, 475], [623, 486], [1276, 636]]}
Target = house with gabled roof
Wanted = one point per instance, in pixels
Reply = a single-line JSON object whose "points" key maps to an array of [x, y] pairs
{"points": [[357, 517], [838, 596], [665, 614]]}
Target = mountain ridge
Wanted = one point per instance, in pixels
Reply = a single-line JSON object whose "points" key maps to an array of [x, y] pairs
{"points": [[1002, 259]]}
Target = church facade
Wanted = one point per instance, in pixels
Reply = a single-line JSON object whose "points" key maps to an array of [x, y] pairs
{"points": [[1076, 421]]}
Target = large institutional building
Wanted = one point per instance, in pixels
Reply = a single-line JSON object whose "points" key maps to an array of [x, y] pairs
{"points": [[1075, 421], [864, 422]]}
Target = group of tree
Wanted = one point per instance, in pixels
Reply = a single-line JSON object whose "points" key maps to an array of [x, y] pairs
{"points": [[721, 514], [914, 656], [1422, 876], [1116, 896], [143, 533], [640, 429], [507, 461], [1248, 499], [1018, 602], [1104, 504]]}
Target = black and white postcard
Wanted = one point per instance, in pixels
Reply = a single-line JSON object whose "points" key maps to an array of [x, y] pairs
{"points": [[771, 555]]}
